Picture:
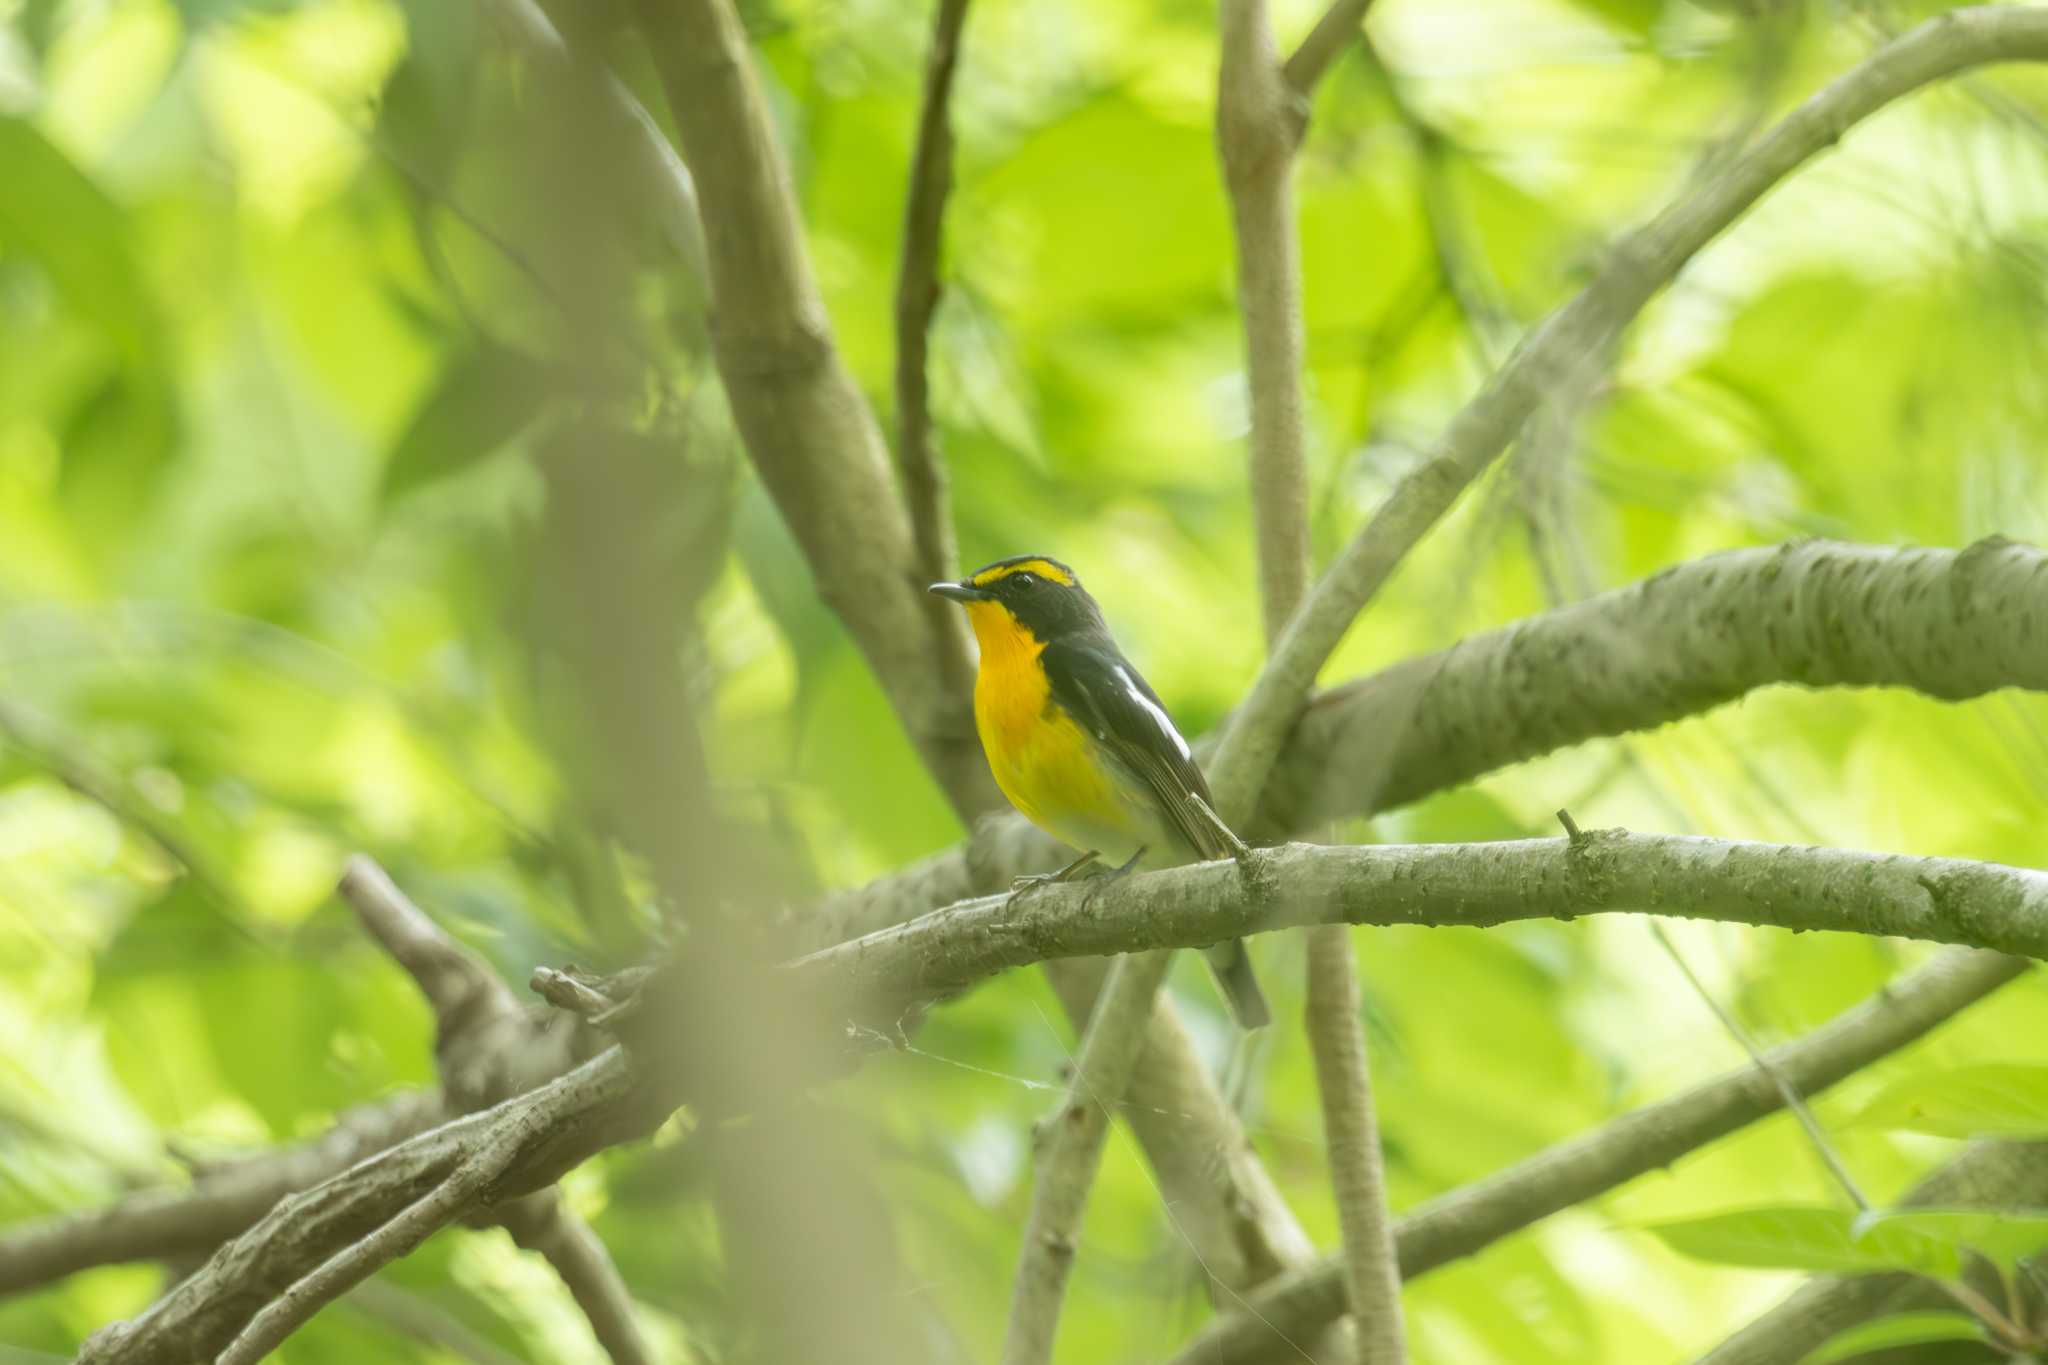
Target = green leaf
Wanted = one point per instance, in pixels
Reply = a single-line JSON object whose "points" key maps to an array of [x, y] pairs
{"points": [[2007, 1100], [55, 214], [2003, 1235], [1793, 1238], [1900, 1329], [486, 397]]}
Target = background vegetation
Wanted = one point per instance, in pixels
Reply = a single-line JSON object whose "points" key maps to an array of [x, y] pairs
{"points": [[303, 305]]}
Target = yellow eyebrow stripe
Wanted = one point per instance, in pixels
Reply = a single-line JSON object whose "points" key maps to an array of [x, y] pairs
{"points": [[1044, 568]]}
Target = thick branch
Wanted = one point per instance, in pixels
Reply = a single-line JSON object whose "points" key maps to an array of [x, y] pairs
{"points": [[1945, 900], [527, 1142], [807, 427], [1467, 1219], [1073, 1150], [1950, 624], [1640, 265], [917, 298]]}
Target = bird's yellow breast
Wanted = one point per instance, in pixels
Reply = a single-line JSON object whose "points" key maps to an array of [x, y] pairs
{"points": [[1045, 763]]}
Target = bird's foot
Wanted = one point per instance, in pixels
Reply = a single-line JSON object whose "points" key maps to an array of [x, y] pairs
{"points": [[1022, 886]]}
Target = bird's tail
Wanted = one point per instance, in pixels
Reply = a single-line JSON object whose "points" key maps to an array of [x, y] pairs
{"points": [[1240, 987]]}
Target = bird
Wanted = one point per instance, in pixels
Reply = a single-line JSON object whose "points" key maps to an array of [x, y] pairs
{"points": [[1083, 747]]}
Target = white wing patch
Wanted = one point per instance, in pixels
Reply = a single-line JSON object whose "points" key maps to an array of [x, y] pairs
{"points": [[1137, 694]]}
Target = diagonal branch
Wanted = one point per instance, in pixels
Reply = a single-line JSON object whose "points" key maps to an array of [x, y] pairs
{"points": [[917, 298], [1468, 1219], [528, 1141], [480, 1023], [544, 1224], [805, 423], [1337, 29], [1640, 264], [1073, 1151]]}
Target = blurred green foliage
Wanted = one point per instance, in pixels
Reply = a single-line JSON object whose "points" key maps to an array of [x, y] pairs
{"points": [[293, 294]]}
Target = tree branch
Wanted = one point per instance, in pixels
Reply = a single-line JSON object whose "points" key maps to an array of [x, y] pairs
{"points": [[1224, 1203], [1260, 115], [1256, 118], [528, 1141], [1466, 1220], [807, 427], [917, 298], [1949, 624], [1073, 1151], [1337, 29], [543, 1224], [173, 1224], [1351, 1137], [1944, 900], [1639, 265]]}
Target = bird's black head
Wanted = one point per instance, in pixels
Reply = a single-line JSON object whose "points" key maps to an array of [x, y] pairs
{"points": [[1042, 595]]}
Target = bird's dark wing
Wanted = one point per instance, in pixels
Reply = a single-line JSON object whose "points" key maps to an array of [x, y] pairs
{"points": [[1106, 696]]}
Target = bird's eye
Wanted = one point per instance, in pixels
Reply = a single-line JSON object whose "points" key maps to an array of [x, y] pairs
{"points": [[1025, 581]]}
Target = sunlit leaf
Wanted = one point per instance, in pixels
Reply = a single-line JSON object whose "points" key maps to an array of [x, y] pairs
{"points": [[1899, 1329], [1998, 1099], [1818, 1239]]}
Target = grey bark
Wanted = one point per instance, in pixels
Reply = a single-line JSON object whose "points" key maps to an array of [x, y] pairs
{"points": [[1943, 900]]}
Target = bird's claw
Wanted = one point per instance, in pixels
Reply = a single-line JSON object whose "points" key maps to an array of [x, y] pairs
{"points": [[1031, 881]]}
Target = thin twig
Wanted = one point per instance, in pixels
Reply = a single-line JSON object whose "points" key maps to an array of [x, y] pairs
{"points": [[544, 1224], [456, 982], [70, 765], [1333, 32], [1786, 1090], [917, 298]]}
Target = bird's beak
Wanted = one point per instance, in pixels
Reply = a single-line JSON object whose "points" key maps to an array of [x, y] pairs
{"points": [[959, 592]]}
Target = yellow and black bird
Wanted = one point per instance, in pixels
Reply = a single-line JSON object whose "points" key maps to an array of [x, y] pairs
{"points": [[1082, 745]]}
